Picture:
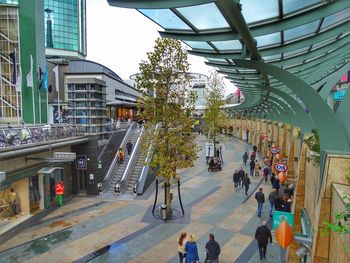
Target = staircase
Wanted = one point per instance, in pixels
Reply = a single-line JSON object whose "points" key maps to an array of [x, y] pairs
{"points": [[136, 173], [121, 167]]}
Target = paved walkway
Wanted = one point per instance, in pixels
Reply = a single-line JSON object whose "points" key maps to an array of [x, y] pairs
{"points": [[110, 229]]}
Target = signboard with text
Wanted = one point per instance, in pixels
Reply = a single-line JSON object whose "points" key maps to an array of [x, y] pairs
{"points": [[81, 162], [274, 150], [279, 216], [64, 155], [281, 167]]}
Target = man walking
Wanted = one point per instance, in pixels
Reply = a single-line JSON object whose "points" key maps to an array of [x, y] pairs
{"points": [[241, 175], [213, 250], [246, 183], [260, 198], [236, 179], [272, 197], [129, 147], [262, 235]]}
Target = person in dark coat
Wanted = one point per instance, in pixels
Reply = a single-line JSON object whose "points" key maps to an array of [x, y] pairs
{"points": [[276, 185], [213, 250], [286, 204], [272, 197], [253, 156], [129, 147], [273, 178], [252, 167], [278, 203], [241, 175], [262, 235], [255, 148], [235, 179], [266, 172], [245, 158], [246, 183], [260, 198]]}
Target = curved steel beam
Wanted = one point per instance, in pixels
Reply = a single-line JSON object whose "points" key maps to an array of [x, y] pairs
{"points": [[332, 136]]}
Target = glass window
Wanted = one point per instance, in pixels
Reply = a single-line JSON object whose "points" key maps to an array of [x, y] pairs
{"points": [[274, 38], [165, 18], [302, 30], [322, 43], [293, 5], [295, 52], [336, 18], [198, 45], [257, 10], [205, 16], [227, 45], [272, 57]]}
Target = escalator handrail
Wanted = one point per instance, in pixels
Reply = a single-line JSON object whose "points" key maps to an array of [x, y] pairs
{"points": [[122, 182], [100, 185]]}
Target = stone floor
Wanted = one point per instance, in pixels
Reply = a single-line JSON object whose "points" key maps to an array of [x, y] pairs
{"points": [[122, 229]]}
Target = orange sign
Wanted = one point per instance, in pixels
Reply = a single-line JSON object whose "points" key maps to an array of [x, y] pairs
{"points": [[284, 234]]}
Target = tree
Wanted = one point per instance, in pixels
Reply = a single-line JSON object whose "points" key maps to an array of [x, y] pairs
{"points": [[163, 76], [215, 118]]}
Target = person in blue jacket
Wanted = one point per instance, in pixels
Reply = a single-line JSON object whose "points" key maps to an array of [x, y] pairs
{"points": [[191, 250]]}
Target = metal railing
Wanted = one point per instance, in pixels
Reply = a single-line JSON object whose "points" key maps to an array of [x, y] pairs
{"points": [[27, 134], [106, 180], [121, 185]]}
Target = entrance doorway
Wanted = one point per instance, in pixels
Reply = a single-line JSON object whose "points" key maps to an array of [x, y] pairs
{"points": [[82, 181]]}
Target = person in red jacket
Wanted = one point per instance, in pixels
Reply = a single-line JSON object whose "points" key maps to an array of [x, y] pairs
{"points": [[59, 192]]}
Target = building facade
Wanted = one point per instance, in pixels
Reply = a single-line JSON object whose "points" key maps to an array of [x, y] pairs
{"points": [[22, 54], [65, 28]]}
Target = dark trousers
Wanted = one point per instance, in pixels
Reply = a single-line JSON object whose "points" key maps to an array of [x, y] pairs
{"points": [[236, 184], [246, 190], [181, 257], [262, 251]]}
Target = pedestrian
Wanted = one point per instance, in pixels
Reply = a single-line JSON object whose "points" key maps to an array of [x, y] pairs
{"points": [[246, 183], [253, 156], [217, 152], [129, 147], [276, 184], [235, 179], [213, 250], [272, 197], [245, 158], [260, 198], [241, 175], [257, 168], [286, 204], [181, 242], [262, 235], [273, 178], [191, 250], [252, 167], [59, 192], [255, 148], [266, 173], [278, 202]]}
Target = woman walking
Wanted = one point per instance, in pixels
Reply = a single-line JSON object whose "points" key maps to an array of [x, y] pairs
{"points": [[181, 241], [191, 250]]}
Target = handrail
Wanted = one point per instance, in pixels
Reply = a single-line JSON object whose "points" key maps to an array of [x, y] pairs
{"points": [[145, 168], [102, 185], [122, 181], [8, 38]]}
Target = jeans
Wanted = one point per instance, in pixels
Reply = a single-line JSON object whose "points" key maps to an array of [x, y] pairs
{"points": [[272, 205], [251, 172], [260, 206], [181, 257], [262, 251]]}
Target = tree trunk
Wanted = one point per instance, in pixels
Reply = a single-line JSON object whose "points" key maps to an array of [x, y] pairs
{"points": [[167, 197]]}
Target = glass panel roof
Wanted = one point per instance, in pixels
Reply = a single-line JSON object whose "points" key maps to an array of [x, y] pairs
{"points": [[323, 43], [205, 16], [296, 52], [217, 60], [274, 38], [272, 57], [335, 18], [267, 9], [227, 45], [165, 18], [293, 5], [302, 30], [198, 45]]}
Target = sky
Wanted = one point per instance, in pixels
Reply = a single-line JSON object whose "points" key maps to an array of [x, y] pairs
{"points": [[119, 39]]}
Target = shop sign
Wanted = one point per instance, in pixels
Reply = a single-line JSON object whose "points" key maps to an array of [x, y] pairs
{"points": [[274, 150], [279, 216], [64, 155], [2, 176], [81, 162], [281, 167]]}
